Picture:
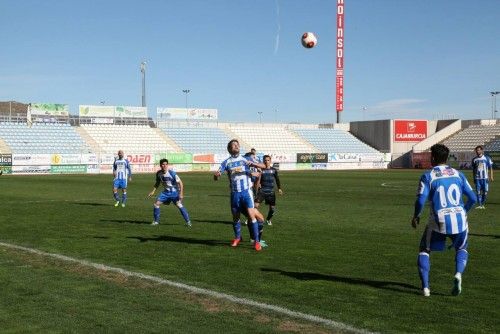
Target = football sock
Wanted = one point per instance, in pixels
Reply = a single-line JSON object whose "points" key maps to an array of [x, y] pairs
{"points": [[424, 266], [117, 198], [124, 197], [237, 229], [255, 230], [270, 214], [250, 231], [184, 214], [156, 213], [461, 260], [261, 227]]}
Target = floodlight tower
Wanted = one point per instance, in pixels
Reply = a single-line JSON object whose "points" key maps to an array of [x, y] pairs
{"points": [[186, 91], [494, 104]]}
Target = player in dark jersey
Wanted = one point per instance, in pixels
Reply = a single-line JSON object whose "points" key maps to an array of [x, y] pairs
{"points": [[173, 192], [265, 184]]}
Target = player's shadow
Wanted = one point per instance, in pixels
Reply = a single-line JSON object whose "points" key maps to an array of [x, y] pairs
{"points": [[169, 238], [386, 285], [213, 221], [494, 236], [90, 204], [127, 221]]}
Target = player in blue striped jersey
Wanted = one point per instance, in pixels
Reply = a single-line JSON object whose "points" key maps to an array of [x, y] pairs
{"points": [[444, 187], [122, 173], [173, 192], [237, 168], [482, 171]]}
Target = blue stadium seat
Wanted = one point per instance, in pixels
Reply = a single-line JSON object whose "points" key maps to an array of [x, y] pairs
{"points": [[334, 141]]}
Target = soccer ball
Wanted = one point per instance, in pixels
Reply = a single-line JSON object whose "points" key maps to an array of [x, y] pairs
{"points": [[309, 40]]}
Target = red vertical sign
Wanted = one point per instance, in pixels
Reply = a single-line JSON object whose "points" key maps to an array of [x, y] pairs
{"points": [[340, 56]]}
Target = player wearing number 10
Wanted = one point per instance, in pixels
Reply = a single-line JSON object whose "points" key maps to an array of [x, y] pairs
{"points": [[444, 187]]}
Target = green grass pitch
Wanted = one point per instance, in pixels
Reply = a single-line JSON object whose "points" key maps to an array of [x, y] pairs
{"points": [[341, 247]]}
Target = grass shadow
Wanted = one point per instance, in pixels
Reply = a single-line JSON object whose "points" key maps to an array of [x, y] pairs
{"points": [[212, 221], [386, 285], [90, 204], [494, 236], [128, 221], [169, 238]]}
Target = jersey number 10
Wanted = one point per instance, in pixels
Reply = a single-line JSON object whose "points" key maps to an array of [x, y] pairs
{"points": [[451, 196]]}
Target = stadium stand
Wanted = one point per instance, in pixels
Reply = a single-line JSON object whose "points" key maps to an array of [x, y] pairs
{"points": [[42, 138], [272, 139], [13, 111], [199, 140], [467, 139], [493, 146], [334, 141], [130, 138]]}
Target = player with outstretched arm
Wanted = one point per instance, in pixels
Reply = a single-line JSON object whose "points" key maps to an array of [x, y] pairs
{"points": [[173, 192], [237, 168]]}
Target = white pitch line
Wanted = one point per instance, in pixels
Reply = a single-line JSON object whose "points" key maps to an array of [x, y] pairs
{"points": [[387, 185], [243, 301]]}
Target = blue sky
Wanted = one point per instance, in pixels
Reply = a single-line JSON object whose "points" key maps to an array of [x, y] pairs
{"points": [[403, 58]]}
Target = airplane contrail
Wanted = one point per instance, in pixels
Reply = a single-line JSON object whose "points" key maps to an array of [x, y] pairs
{"points": [[277, 40]]}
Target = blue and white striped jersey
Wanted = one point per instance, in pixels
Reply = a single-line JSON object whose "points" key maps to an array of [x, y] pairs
{"points": [[481, 166], [238, 171], [444, 187], [121, 168], [252, 169], [170, 181]]}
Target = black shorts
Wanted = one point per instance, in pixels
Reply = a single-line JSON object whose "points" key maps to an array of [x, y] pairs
{"points": [[268, 197]]}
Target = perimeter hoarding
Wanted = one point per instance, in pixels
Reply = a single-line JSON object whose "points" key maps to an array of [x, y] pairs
{"points": [[142, 163], [312, 157], [174, 158], [96, 111], [410, 130], [204, 158], [31, 159], [5, 159], [6, 163], [112, 112], [201, 167], [68, 169], [65, 159], [187, 113], [283, 157], [140, 159], [49, 109], [134, 112]]}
